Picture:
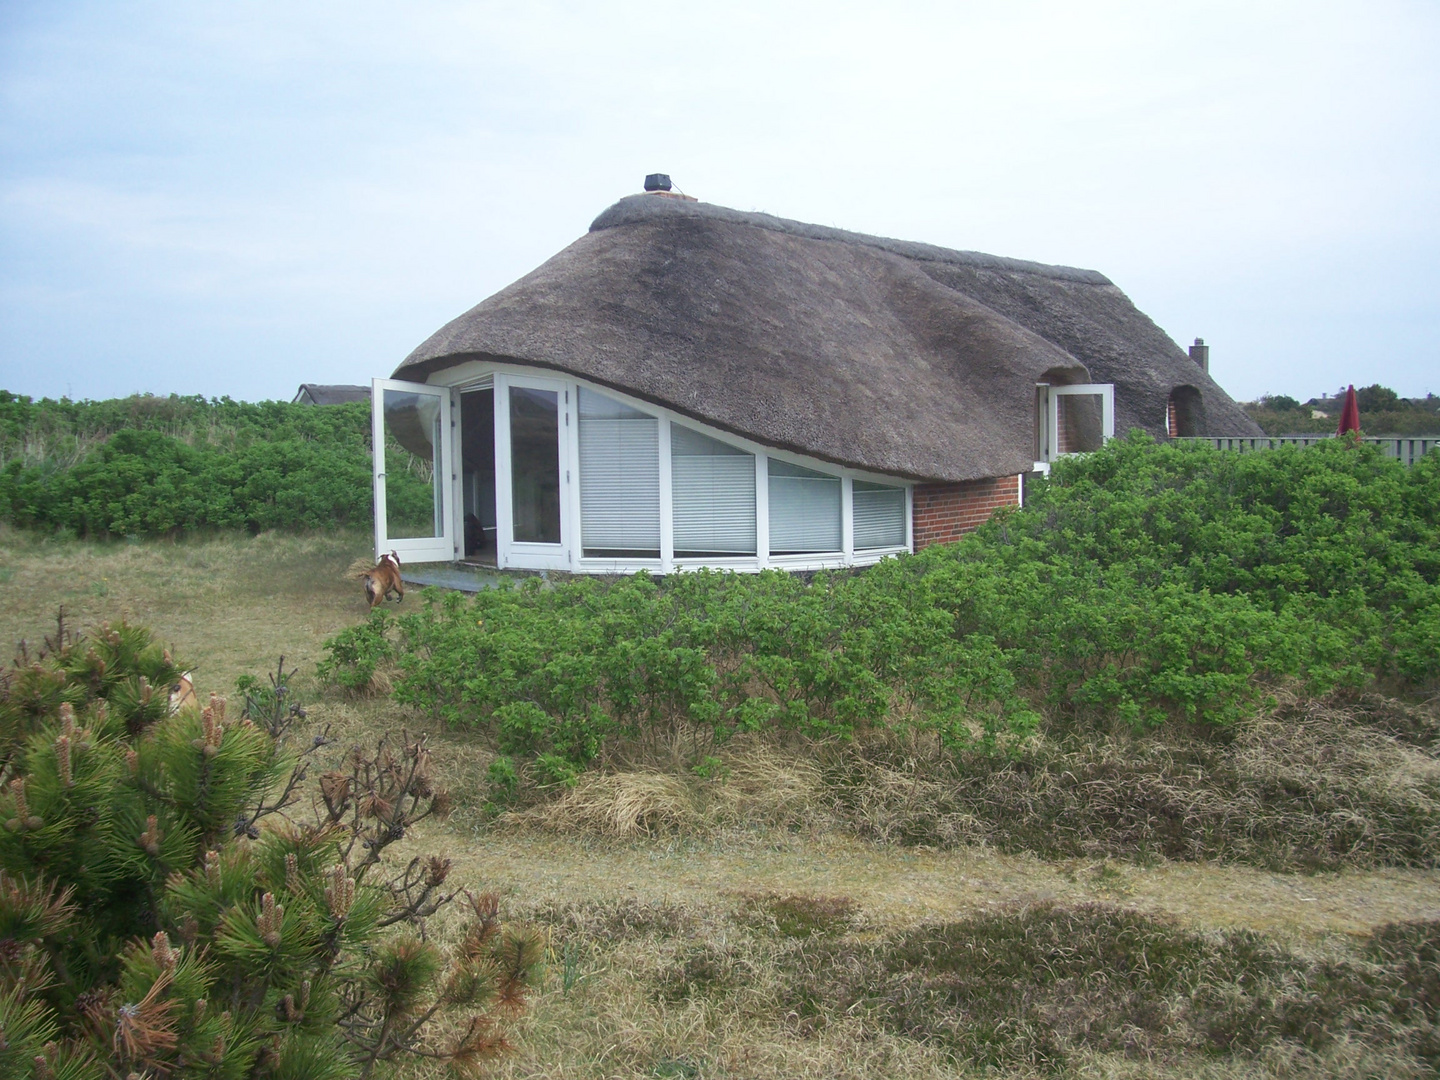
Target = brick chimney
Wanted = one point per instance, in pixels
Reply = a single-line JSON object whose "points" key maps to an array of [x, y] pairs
{"points": [[1200, 353]]}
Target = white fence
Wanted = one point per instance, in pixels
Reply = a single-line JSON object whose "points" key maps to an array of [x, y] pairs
{"points": [[1407, 450]]}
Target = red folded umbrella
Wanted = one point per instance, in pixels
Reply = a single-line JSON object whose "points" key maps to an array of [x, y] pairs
{"points": [[1350, 414]]}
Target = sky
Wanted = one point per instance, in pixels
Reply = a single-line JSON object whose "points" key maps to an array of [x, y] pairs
{"points": [[235, 198]]}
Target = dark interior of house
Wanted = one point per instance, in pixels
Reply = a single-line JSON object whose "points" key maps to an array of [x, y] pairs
{"points": [[477, 460]]}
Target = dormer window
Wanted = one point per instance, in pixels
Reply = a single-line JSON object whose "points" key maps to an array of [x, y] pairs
{"points": [[1182, 413], [1074, 419]]}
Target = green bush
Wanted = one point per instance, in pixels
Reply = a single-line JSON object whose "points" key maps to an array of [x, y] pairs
{"points": [[1143, 583], [147, 466], [356, 654], [1382, 412], [564, 669]]}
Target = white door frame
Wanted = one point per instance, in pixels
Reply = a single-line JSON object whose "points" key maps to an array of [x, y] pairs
{"points": [[439, 548], [524, 554]]}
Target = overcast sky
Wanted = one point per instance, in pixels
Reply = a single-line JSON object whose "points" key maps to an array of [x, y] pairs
{"points": [[234, 198]]}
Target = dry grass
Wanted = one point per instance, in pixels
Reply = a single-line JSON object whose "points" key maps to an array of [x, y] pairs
{"points": [[1310, 786], [230, 604], [754, 922], [696, 983], [753, 786]]}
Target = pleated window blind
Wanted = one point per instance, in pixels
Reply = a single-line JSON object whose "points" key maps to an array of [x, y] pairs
{"points": [[879, 516], [619, 479], [713, 494], [804, 510]]}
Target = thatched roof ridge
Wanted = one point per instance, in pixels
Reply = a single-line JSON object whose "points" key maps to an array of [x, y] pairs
{"points": [[885, 355], [634, 209]]}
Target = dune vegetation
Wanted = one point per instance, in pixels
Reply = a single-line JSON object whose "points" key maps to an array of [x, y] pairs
{"points": [[1140, 781]]}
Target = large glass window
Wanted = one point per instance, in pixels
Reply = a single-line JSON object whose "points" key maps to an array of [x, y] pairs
{"points": [[619, 479], [713, 494], [804, 510], [535, 464], [879, 515], [414, 493]]}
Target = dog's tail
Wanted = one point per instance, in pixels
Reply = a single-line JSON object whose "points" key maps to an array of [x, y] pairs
{"points": [[369, 580]]}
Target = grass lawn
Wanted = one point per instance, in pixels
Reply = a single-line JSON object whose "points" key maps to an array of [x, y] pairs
{"points": [[738, 927], [229, 604]]}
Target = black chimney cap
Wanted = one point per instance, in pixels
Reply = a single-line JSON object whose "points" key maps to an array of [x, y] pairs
{"points": [[657, 181]]}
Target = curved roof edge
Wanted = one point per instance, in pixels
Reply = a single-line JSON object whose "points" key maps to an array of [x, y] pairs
{"points": [[643, 209]]}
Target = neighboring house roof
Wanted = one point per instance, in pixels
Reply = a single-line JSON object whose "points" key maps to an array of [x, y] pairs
{"points": [[316, 394], [896, 357]]}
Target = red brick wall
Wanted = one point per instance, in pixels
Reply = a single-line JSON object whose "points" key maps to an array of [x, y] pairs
{"points": [[945, 512]]}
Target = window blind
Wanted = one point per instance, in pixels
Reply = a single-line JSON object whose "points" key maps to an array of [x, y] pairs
{"points": [[804, 510], [713, 495], [879, 515], [619, 479]]}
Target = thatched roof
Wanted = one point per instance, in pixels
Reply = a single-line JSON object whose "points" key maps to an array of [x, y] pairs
{"points": [[896, 357], [320, 394]]}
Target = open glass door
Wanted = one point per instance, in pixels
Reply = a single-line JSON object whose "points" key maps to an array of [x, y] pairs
{"points": [[532, 472], [413, 491]]}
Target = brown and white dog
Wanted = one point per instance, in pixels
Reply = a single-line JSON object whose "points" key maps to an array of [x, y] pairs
{"points": [[182, 691], [383, 579], [182, 694]]}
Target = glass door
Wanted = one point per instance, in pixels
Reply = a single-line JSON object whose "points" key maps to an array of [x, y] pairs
{"points": [[532, 424], [410, 433]]}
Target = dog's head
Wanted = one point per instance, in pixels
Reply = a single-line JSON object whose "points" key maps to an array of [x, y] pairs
{"points": [[182, 692]]}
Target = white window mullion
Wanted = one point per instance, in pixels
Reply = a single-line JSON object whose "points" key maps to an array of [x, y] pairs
{"points": [[570, 440], [667, 501], [457, 478], [762, 510], [504, 510]]}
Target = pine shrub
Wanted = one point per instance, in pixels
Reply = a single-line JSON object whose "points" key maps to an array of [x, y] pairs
{"points": [[167, 908]]}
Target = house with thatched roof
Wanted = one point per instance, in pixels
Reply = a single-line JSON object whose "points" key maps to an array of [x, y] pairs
{"points": [[322, 394], [689, 385]]}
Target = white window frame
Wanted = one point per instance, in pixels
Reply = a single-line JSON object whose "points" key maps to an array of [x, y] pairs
{"points": [[662, 445], [568, 555], [1053, 394], [814, 560], [849, 506], [422, 549]]}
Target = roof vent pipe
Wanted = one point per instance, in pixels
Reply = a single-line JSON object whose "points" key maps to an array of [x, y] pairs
{"points": [[657, 181], [1200, 353]]}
